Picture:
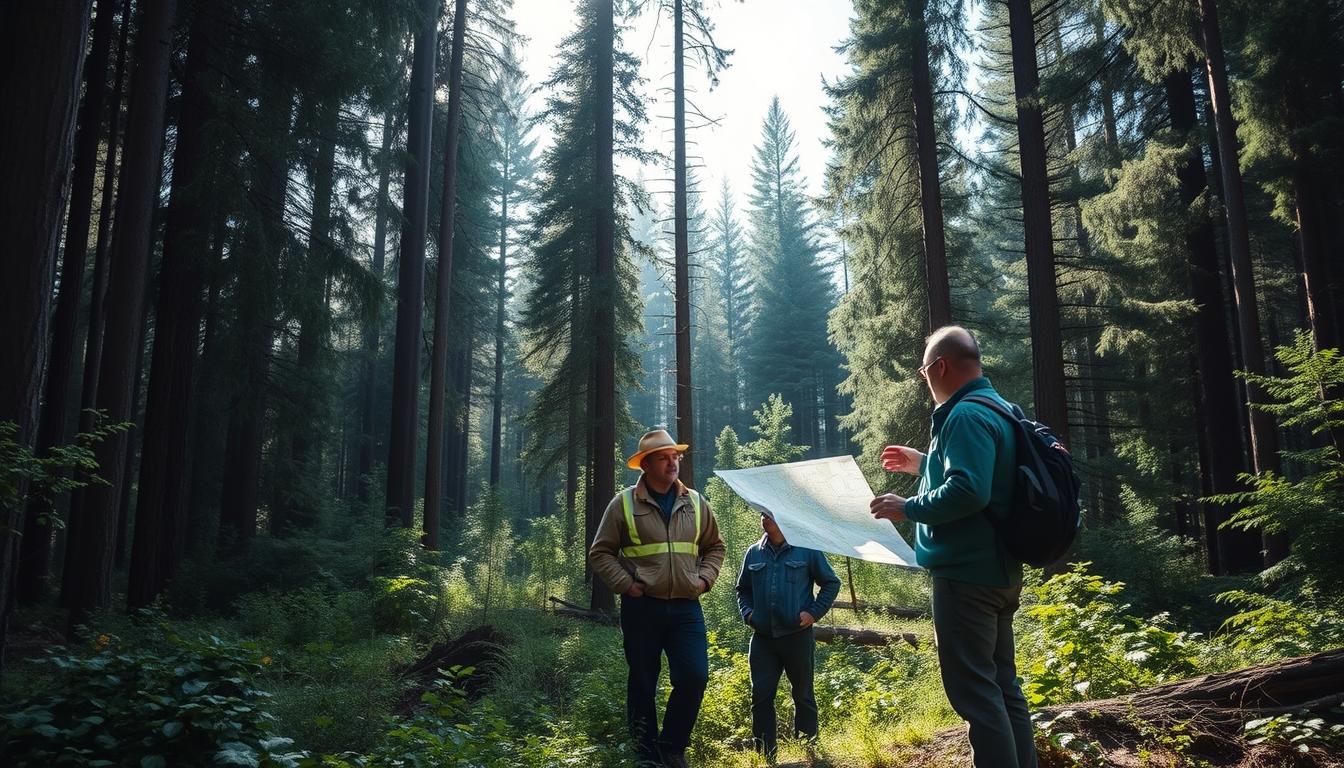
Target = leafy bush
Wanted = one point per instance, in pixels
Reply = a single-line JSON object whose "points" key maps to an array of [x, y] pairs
{"points": [[445, 731], [1092, 648], [180, 701], [1170, 576], [26, 474], [1058, 743], [307, 615], [330, 698], [214, 585], [405, 604], [1269, 628], [1310, 509], [1300, 731]]}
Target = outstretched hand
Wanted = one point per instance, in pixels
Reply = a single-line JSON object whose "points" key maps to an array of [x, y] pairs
{"points": [[901, 458]]}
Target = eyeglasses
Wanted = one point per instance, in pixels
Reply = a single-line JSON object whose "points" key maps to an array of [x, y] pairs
{"points": [[923, 370]]}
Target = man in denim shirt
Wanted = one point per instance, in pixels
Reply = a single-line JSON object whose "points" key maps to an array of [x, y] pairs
{"points": [[774, 596]]}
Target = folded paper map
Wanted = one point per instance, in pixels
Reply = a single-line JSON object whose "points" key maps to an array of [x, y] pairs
{"points": [[822, 504]]}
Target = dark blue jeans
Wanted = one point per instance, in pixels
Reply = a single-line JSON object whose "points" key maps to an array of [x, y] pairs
{"points": [[651, 628], [793, 655]]}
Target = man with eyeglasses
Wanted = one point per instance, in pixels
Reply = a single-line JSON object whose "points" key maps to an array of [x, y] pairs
{"points": [[658, 547], [966, 475]]}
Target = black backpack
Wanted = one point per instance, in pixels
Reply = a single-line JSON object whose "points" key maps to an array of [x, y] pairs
{"points": [[1045, 515]]}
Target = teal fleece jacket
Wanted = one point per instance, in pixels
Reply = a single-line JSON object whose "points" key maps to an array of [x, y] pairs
{"points": [[971, 463]]}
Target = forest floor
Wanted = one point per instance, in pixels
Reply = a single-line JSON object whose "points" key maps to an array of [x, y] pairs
{"points": [[549, 678]]}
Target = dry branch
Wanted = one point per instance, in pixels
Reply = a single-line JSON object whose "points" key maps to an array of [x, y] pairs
{"points": [[566, 608]]}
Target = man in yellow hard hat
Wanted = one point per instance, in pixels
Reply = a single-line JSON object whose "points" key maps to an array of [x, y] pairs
{"points": [[658, 547]]}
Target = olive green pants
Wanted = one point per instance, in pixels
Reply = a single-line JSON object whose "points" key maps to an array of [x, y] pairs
{"points": [[973, 627]]}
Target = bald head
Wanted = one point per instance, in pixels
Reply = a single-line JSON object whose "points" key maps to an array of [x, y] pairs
{"points": [[951, 359], [952, 343]]}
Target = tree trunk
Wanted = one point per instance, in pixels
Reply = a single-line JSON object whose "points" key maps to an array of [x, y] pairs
{"points": [[206, 438], [459, 469], [930, 194], [572, 434], [604, 288], [501, 289], [438, 369], [1264, 438], [1310, 192], [298, 509], [160, 504], [35, 546], [136, 419], [41, 55], [1092, 390], [93, 345], [1046, 340], [681, 227], [258, 270], [401, 453], [1228, 551], [368, 381], [92, 535]]}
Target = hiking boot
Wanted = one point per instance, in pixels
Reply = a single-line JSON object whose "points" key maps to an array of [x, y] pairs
{"points": [[675, 758]]}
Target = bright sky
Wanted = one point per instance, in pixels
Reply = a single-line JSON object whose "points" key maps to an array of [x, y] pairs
{"points": [[781, 47]]}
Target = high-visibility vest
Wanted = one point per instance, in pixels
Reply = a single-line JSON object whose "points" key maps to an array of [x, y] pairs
{"points": [[640, 549]]}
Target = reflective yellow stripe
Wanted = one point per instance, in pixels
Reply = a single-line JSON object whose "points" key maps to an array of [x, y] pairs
{"points": [[628, 501], [639, 549], [662, 548], [695, 505]]}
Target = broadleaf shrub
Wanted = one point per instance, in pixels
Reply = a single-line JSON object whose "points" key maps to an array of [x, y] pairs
{"points": [[177, 701], [1093, 648]]}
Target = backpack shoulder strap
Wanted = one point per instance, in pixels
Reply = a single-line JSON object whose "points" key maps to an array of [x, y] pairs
{"points": [[1012, 415]]}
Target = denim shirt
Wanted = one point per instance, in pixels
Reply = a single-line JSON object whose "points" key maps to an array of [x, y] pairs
{"points": [[774, 587]]}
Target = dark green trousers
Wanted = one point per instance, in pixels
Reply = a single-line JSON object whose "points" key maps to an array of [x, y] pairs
{"points": [[973, 627]]}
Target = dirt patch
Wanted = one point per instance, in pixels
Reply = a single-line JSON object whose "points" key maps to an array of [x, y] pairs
{"points": [[480, 648]]}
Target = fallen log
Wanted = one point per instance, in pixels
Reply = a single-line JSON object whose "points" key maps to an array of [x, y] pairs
{"points": [[828, 634], [1291, 685], [566, 608], [1209, 711], [565, 603], [887, 610]]}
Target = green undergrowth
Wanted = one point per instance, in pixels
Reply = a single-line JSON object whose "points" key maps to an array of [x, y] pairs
{"points": [[268, 663]]}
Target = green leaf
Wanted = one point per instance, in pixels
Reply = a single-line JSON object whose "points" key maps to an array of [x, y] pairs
{"points": [[237, 753], [153, 761], [193, 687], [172, 728]]}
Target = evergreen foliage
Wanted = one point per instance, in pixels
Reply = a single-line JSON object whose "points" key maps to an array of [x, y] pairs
{"points": [[785, 349], [558, 313]]}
